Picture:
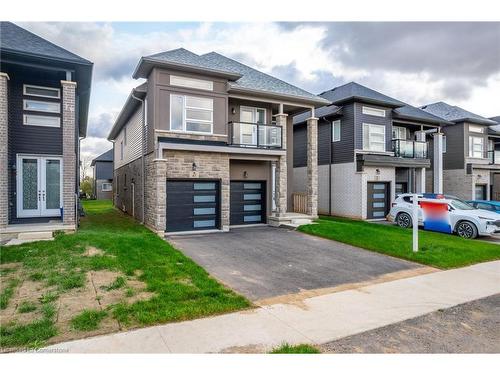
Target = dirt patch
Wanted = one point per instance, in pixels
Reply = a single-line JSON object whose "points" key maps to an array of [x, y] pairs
{"points": [[247, 349], [102, 279], [91, 251]]}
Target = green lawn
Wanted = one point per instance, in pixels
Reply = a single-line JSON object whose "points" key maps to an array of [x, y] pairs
{"points": [[295, 349], [177, 288], [436, 249]]}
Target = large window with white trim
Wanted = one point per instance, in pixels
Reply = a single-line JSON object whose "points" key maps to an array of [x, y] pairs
{"points": [[373, 137], [36, 120], [193, 83], [336, 131], [41, 106], [476, 147], [373, 111], [191, 114], [476, 129], [42, 91]]}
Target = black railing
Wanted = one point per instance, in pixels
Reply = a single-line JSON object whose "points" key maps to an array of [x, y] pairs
{"points": [[404, 148], [248, 134]]}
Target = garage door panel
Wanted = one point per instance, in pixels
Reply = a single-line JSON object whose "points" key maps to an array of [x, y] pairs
{"points": [[248, 200]]}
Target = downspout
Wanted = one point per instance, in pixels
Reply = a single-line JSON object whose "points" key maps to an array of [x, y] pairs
{"points": [[143, 165], [329, 168]]}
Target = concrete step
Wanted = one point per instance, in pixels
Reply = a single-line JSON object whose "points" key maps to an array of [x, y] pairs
{"points": [[35, 236], [17, 241]]}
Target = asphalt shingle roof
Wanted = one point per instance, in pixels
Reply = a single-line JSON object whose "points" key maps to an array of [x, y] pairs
{"points": [[353, 90], [455, 114], [246, 77], [409, 111], [107, 156], [319, 112], [16, 39], [496, 119]]}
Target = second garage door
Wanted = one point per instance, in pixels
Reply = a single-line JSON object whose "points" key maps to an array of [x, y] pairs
{"points": [[192, 205], [248, 202]]}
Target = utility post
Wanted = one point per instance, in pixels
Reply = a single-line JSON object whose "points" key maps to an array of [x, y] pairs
{"points": [[415, 223]]}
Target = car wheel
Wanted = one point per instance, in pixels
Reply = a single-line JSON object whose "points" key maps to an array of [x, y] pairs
{"points": [[404, 220], [466, 229]]}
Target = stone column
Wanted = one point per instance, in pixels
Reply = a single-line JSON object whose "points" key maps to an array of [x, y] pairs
{"points": [[312, 166], [281, 169], [69, 166], [438, 163], [4, 157]]}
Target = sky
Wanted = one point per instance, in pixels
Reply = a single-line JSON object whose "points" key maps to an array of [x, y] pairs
{"points": [[419, 63]]}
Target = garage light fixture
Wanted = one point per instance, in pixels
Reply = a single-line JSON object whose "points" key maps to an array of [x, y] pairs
{"points": [[193, 167]]}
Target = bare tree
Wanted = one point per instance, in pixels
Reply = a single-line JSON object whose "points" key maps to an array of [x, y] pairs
{"points": [[85, 168]]}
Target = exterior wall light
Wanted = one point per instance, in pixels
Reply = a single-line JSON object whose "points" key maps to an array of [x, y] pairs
{"points": [[193, 167]]}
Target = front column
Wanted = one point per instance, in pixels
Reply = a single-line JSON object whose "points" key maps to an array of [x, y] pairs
{"points": [[312, 166], [69, 152], [281, 169], [438, 163], [4, 160]]}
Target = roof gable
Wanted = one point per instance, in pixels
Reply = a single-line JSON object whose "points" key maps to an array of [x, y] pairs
{"points": [[355, 91], [455, 114], [106, 156]]}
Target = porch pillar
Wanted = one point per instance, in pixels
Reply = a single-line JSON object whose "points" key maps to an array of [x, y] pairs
{"points": [[4, 160], [312, 166], [438, 163], [70, 167], [420, 181], [281, 168]]}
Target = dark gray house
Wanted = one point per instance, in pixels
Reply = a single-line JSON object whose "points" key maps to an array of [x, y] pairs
{"points": [[371, 147], [44, 100], [471, 160], [103, 175]]}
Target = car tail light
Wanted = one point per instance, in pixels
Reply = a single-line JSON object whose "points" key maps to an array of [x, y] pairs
{"points": [[393, 204]]}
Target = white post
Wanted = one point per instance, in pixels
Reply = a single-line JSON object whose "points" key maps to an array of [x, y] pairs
{"points": [[415, 222], [438, 163]]}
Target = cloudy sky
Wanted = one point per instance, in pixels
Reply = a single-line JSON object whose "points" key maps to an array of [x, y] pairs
{"points": [[419, 63]]}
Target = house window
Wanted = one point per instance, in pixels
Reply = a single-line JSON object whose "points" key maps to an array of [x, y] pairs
{"points": [[37, 120], [373, 111], [41, 106], [476, 129], [191, 114], [121, 150], [193, 83], [106, 186], [444, 144], [476, 147], [373, 137], [41, 91], [336, 131], [398, 132]]}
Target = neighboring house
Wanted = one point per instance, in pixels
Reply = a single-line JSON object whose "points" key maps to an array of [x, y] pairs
{"points": [[469, 165], [207, 143], [103, 175], [44, 99], [371, 148]]}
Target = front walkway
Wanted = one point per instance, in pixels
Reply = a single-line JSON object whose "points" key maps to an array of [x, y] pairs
{"points": [[315, 320]]}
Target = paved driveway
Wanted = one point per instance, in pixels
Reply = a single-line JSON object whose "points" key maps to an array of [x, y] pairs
{"points": [[264, 262]]}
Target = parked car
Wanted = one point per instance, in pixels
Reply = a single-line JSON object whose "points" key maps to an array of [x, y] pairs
{"points": [[466, 221], [486, 205]]}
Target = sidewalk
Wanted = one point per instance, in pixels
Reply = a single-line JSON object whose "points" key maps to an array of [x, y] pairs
{"points": [[317, 320]]}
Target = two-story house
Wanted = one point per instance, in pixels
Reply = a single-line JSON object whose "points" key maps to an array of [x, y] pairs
{"points": [[207, 143], [103, 175], [469, 162], [371, 147], [44, 101]]}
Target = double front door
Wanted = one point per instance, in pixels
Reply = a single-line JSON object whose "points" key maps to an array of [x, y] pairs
{"points": [[39, 186]]}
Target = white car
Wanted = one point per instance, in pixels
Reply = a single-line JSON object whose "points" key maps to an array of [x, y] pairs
{"points": [[466, 221]]}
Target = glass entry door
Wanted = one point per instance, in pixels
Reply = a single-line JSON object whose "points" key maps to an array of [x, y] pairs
{"points": [[250, 117], [39, 186]]}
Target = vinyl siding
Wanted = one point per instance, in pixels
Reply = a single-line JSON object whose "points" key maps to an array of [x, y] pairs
{"points": [[360, 118], [455, 147], [104, 170], [132, 146], [343, 150]]}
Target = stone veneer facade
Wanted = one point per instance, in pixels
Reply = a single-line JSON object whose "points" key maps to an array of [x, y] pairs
{"points": [[69, 152], [312, 166], [281, 169], [4, 179]]}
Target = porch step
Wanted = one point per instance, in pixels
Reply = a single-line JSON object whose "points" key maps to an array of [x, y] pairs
{"points": [[17, 241], [290, 220], [34, 236]]}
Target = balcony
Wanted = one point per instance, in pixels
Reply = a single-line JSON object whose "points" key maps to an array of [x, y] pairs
{"points": [[409, 149], [247, 134]]}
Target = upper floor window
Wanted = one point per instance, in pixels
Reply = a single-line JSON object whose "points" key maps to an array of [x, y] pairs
{"points": [[398, 132], [373, 137], [191, 114], [41, 106], [336, 131], [476, 129], [41, 91], [476, 147], [50, 121], [193, 83], [373, 111]]}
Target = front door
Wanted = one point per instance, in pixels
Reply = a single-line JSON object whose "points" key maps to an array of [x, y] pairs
{"points": [[480, 192], [378, 200], [39, 186], [250, 117]]}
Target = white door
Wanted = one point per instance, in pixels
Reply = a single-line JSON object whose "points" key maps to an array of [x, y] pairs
{"points": [[39, 186], [250, 117]]}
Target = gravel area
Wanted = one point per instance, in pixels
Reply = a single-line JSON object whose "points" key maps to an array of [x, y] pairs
{"points": [[473, 327]]}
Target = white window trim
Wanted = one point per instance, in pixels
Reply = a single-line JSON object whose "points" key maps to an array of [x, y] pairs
{"points": [[254, 111], [366, 142], [25, 106], [108, 184], [471, 147], [45, 88], [375, 111], [479, 129], [184, 117], [339, 124], [25, 121], [399, 128], [179, 82]]}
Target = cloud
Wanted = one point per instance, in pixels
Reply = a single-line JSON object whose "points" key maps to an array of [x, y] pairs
{"points": [[100, 125]]}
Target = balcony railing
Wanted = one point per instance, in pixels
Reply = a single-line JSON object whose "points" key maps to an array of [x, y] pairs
{"points": [[247, 134], [409, 149]]}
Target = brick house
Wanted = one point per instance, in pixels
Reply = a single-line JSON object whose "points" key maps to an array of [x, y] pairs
{"points": [[207, 143], [44, 100]]}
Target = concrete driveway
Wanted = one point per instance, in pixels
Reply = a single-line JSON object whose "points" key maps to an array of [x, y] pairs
{"points": [[265, 262]]}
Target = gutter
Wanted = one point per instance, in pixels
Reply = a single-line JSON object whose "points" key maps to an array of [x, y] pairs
{"points": [[143, 166]]}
